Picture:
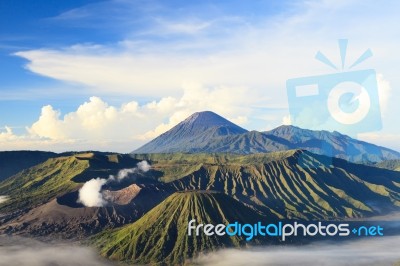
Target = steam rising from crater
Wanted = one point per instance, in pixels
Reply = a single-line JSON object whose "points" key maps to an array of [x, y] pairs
{"points": [[3, 199], [91, 194]]}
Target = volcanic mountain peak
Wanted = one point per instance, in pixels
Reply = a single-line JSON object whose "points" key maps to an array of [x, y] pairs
{"points": [[195, 131], [201, 121], [207, 118]]}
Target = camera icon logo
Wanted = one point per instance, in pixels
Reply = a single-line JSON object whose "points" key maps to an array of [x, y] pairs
{"points": [[347, 102]]}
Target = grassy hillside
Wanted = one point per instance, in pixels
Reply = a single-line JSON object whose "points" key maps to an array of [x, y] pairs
{"points": [[56, 177], [173, 166], [41, 183], [292, 184], [161, 235]]}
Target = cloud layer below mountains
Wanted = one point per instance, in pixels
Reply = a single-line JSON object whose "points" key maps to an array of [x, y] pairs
{"points": [[16, 251], [372, 252]]}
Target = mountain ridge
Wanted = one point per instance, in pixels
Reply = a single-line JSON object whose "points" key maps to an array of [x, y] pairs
{"points": [[197, 128], [196, 135], [165, 227]]}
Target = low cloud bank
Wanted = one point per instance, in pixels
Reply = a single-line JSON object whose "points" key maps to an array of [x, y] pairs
{"points": [[3, 199], [371, 252], [91, 194], [16, 251]]}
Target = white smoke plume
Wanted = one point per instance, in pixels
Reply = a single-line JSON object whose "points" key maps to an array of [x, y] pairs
{"points": [[91, 194], [144, 166], [3, 199], [122, 174]]}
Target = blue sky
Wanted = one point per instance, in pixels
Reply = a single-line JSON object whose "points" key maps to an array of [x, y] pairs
{"points": [[111, 75]]}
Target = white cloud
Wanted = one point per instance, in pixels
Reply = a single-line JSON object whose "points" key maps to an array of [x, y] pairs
{"points": [[180, 27], [48, 125], [17, 251], [377, 251], [286, 120], [7, 134], [383, 139], [259, 55], [385, 92], [98, 125]]}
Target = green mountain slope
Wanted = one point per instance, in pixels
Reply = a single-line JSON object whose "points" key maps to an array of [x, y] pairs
{"points": [[43, 199], [161, 235], [292, 184], [41, 183], [303, 185], [58, 176]]}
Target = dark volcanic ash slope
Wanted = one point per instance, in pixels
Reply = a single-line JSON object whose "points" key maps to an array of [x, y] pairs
{"points": [[63, 217]]}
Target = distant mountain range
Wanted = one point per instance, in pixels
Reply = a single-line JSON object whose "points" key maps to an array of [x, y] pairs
{"points": [[207, 132]]}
